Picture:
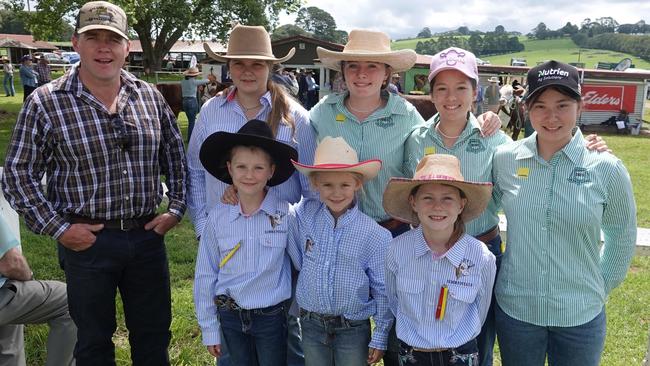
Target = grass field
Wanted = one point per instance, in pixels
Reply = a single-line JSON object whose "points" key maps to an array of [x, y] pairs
{"points": [[627, 315], [541, 50]]}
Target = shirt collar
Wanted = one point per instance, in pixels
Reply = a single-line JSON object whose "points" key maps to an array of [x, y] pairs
{"points": [[265, 100], [344, 220], [455, 254], [573, 150], [471, 127], [271, 205], [393, 106]]}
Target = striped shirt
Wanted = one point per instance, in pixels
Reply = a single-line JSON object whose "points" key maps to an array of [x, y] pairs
{"points": [[225, 114], [257, 275], [475, 155], [554, 271], [342, 266], [414, 278], [380, 136], [64, 131]]}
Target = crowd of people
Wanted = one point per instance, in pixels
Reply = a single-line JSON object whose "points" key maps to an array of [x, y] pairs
{"points": [[312, 222]]}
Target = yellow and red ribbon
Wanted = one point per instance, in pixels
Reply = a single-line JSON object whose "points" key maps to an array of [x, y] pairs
{"points": [[442, 303]]}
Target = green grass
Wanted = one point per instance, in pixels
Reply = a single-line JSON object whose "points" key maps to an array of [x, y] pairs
{"points": [[627, 316]]}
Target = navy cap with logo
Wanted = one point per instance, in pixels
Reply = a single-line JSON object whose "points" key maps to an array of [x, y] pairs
{"points": [[553, 73]]}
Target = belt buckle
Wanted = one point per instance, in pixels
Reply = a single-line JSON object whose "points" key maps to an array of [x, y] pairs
{"points": [[122, 225]]}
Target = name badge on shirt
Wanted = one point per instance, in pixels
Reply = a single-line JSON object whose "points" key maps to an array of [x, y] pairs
{"points": [[579, 176], [522, 172], [429, 150], [340, 117]]}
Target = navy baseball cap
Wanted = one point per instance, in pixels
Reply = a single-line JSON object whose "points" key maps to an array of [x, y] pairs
{"points": [[553, 73]]}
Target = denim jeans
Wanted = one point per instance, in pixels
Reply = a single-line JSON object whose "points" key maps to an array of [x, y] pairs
{"points": [[465, 355], [486, 338], [134, 262], [8, 83], [257, 334], [191, 108], [336, 341], [523, 343]]}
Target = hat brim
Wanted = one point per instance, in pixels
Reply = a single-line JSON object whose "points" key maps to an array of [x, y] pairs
{"points": [[215, 150], [400, 60], [263, 57], [446, 68], [368, 169], [101, 26], [396, 197], [558, 85], [191, 73]]}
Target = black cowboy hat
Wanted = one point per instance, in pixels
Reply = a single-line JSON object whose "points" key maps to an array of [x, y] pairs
{"points": [[215, 151]]}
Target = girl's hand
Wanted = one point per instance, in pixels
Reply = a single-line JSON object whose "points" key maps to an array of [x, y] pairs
{"points": [[374, 355], [230, 196], [596, 143], [490, 123], [215, 350]]}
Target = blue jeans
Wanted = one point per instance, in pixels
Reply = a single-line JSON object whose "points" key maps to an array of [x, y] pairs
{"points": [[522, 343], [334, 341], [191, 108], [134, 262], [464, 355], [486, 338], [8, 83], [257, 336]]}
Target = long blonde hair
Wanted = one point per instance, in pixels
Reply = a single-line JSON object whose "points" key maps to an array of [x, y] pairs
{"points": [[280, 108]]}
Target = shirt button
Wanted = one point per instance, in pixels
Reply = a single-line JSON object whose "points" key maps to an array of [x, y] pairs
{"points": [[124, 171], [126, 198]]}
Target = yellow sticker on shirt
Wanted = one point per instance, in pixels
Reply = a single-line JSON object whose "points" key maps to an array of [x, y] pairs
{"points": [[340, 117], [429, 150], [523, 172]]}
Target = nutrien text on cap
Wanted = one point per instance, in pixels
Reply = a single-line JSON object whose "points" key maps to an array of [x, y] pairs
{"points": [[102, 15]]}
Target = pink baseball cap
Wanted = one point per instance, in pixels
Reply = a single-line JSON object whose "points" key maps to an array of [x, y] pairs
{"points": [[454, 58]]}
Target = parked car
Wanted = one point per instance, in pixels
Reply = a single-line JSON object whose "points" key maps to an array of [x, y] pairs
{"points": [[52, 58], [72, 57], [518, 62]]}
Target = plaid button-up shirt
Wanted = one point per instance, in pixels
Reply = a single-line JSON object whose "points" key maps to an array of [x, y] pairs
{"points": [[95, 167]]}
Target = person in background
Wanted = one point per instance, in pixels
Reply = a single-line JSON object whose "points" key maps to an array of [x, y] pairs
{"points": [[492, 95], [44, 71], [210, 89], [8, 81], [24, 300], [394, 86], [28, 77], [312, 89], [190, 102]]}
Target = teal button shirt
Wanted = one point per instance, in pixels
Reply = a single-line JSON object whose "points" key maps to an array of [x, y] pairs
{"points": [[475, 155], [380, 136], [554, 271]]}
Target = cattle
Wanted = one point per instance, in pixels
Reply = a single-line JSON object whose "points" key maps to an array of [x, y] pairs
{"points": [[174, 96], [423, 104]]}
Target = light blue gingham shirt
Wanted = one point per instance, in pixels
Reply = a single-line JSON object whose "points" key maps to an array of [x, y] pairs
{"points": [[380, 136], [258, 275], [474, 152], [342, 266], [225, 114], [554, 271], [413, 281]]}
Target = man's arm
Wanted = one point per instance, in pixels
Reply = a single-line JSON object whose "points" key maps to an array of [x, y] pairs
{"points": [[14, 266]]}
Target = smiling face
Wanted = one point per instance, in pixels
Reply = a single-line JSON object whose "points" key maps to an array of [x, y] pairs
{"points": [[452, 93], [553, 115], [336, 189], [364, 79], [437, 206], [250, 76], [102, 54], [250, 169]]}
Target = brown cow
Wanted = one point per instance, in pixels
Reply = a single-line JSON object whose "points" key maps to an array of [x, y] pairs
{"points": [[423, 104]]}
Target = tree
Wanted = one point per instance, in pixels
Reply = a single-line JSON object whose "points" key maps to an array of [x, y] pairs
{"points": [[341, 36], [317, 21], [540, 31], [569, 29], [499, 29], [463, 30], [160, 23], [424, 33], [288, 30]]}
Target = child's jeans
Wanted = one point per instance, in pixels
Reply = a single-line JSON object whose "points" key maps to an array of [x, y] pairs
{"points": [[255, 334], [329, 340]]}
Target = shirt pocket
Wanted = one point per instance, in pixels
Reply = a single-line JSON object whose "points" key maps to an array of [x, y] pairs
{"points": [[459, 301], [410, 298], [273, 249], [234, 259]]}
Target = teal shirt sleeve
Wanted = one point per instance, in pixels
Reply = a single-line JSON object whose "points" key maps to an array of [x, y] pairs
{"points": [[619, 227]]}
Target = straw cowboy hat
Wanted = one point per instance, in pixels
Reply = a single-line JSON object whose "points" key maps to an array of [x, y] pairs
{"points": [[493, 79], [334, 154], [435, 168], [370, 46], [215, 151], [192, 71], [249, 42]]}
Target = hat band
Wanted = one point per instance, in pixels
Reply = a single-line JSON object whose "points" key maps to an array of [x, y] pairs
{"points": [[436, 177]]}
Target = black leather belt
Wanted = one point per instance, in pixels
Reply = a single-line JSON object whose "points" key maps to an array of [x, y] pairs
{"points": [[118, 224]]}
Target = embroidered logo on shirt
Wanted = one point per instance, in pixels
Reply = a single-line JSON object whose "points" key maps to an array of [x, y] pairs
{"points": [[429, 150], [309, 244], [475, 146], [463, 268], [385, 123], [276, 219], [340, 117], [522, 172], [579, 176]]}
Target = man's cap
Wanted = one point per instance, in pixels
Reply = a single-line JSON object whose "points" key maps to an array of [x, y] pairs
{"points": [[102, 15], [553, 73]]}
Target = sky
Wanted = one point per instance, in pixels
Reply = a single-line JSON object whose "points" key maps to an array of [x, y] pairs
{"points": [[406, 18]]}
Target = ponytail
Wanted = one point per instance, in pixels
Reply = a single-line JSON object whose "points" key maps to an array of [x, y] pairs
{"points": [[280, 108]]}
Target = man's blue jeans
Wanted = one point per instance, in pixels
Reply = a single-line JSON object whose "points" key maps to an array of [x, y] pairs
{"points": [[523, 343], [337, 341], [8, 83], [135, 262], [191, 108], [257, 334]]}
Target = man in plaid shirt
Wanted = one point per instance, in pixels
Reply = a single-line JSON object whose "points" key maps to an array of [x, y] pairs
{"points": [[103, 138]]}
